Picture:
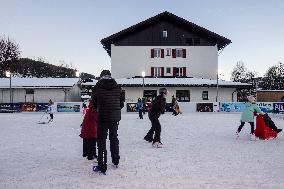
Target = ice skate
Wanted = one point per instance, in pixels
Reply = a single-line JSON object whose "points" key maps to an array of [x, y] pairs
{"points": [[98, 170], [237, 135], [157, 145], [252, 137]]}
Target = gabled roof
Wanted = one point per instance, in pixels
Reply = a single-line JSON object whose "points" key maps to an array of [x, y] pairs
{"points": [[221, 41], [38, 82]]}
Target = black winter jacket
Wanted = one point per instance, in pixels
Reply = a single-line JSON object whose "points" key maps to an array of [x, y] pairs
{"points": [[158, 106], [108, 99]]}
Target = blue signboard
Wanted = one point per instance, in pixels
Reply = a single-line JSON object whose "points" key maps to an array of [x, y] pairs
{"points": [[68, 106], [232, 106], [278, 107]]}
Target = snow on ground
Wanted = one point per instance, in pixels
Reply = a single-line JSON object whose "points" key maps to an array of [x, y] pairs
{"points": [[200, 151]]}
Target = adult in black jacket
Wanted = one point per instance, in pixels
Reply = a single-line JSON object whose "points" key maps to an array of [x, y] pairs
{"points": [[158, 106], [108, 100]]}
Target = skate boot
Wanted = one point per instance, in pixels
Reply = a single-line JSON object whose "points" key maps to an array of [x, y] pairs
{"points": [[252, 137], [157, 145], [98, 170]]}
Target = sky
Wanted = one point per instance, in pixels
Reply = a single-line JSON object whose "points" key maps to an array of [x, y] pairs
{"points": [[70, 31]]}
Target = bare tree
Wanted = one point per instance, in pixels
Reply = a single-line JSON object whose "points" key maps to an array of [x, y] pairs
{"points": [[9, 50]]}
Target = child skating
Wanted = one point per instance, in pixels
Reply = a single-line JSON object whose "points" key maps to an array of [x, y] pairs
{"points": [[248, 116]]}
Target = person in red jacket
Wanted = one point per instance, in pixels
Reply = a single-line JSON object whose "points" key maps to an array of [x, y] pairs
{"points": [[89, 132]]}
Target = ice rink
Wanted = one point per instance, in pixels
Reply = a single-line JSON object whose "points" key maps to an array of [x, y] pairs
{"points": [[200, 151]]}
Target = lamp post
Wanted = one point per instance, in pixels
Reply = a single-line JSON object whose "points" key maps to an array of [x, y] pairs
{"points": [[217, 88], [143, 76], [8, 74]]}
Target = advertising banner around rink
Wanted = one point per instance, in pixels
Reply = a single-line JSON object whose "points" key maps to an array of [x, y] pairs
{"points": [[69, 106], [232, 106], [41, 107], [204, 107], [278, 107], [28, 107], [265, 106], [10, 107]]}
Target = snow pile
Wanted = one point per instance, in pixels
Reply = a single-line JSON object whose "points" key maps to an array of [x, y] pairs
{"points": [[200, 151], [173, 81]]}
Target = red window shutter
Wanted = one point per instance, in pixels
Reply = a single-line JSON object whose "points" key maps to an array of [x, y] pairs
{"points": [[162, 71], [183, 53], [184, 71], [152, 71], [152, 53], [174, 53], [162, 53], [174, 71]]}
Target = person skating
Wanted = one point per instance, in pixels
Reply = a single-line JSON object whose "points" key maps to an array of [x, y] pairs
{"points": [[89, 132], [108, 100], [50, 110], [140, 107], [158, 106], [248, 115]]}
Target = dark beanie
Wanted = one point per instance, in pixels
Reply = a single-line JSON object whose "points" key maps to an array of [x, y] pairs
{"points": [[105, 72]]}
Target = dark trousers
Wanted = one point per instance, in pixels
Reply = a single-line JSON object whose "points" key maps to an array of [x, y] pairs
{"points": [[251, 127], [140, 114], [89, 148], [51, 116], [102, 133], [155, 129]]}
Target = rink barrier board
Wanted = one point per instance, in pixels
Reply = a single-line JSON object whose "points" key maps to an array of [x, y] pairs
{"points": [[71, 107]]}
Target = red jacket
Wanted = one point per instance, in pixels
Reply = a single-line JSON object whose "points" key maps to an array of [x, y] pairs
{"points": [[89, 125]]}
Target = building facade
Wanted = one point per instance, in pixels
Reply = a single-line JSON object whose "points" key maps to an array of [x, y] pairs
{"points": [[166, 48], [39, 90]]}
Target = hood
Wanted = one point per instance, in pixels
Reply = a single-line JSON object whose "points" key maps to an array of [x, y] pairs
{"points": [[107, 82]]}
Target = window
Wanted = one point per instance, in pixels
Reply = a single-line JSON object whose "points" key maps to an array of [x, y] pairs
{"points": [[204, 95], [179, 71], [158, 71], [188, 41], [183, 95], [196, 41], [29, 91], [168, 52], [157, 53], [168, 70], [165, 34], [179, 53]]}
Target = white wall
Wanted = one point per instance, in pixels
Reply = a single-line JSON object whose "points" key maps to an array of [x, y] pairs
{"points": [[129, 61], [224, 94], [41, 95]]}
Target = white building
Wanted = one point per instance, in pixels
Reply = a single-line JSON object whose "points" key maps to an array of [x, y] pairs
{"points": [[39, 90], [174, 53]]}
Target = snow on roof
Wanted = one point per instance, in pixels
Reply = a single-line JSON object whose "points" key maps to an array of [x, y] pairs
{"points": [[173, 81], [38, 82]]}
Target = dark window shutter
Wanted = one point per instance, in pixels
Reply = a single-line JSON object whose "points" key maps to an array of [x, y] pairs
{"points": [[174, 71], [184, 71], [162, 71], [152, 53], [174, 53], [183, 53], [162, 53], [152, 71]]}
